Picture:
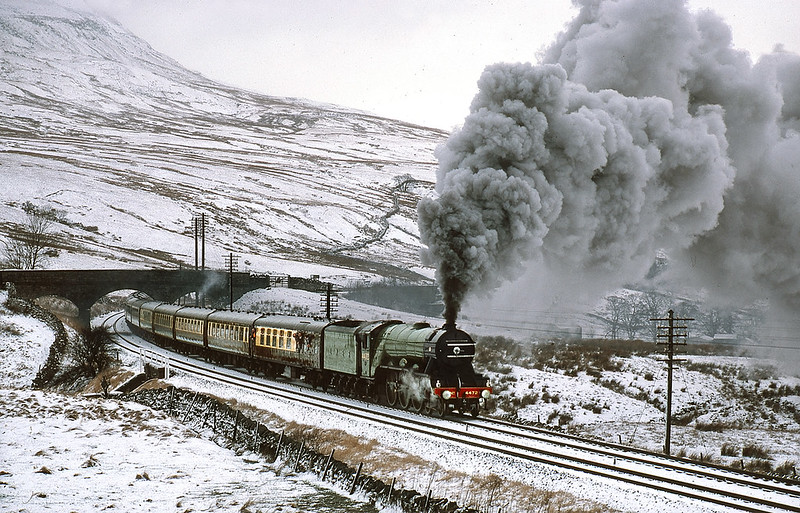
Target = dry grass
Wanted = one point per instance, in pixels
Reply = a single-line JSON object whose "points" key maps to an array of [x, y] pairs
{"points": [[415, 472], [729, 449], [116, 376], [493, 492], [755, 451]]}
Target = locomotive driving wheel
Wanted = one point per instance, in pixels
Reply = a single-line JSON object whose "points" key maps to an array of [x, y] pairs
{"points": [[436, 406], [391, 393], [417, 402], [404, 397]]}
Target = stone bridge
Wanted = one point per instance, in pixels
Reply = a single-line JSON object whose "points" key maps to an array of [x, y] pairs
{"points": [[85, 287]]}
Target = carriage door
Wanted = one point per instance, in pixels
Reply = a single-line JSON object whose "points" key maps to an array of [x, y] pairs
{"points": [[362, 351]]}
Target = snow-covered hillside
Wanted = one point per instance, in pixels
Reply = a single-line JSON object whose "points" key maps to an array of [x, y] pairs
{"points": [[130, 146]]}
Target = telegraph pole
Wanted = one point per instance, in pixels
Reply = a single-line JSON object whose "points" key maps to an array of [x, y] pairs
{"points": [[671, 332], [199, 228], [196, 234], [233, 262], [203, 238], [329, 302]]}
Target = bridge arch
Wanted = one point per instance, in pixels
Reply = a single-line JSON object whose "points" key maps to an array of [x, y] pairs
{"points": [[85, 287]]}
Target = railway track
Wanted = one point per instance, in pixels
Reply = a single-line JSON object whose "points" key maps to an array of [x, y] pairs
{"points": [[671, 476]]}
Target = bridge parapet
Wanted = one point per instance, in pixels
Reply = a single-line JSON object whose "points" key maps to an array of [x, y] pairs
{"points": [[84, 287]]}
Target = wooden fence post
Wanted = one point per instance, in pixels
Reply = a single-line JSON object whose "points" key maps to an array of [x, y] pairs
{"points": [[280, 441], [391, 489], [355, 478], [189, 409], [327, 465], [299, 453]]}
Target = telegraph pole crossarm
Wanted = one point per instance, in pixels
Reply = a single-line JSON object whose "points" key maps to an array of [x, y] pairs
{"points": [[676, 336]]}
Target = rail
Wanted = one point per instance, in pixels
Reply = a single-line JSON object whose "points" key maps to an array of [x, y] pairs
{"points": [[670, 476]]}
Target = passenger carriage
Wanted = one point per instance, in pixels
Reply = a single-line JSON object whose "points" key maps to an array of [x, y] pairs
{"points": [[281, 339], [190, 324], [146, 315], [229, 333]]}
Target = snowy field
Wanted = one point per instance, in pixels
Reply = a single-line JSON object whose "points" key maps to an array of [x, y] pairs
{"points": [[67, 453], [58, 444]]}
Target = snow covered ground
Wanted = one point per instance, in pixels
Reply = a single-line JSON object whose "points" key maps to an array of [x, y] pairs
{"points": [[63, 453], [68, 452]]}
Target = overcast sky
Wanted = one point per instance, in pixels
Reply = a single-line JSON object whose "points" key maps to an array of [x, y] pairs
{"points": [[415, 60]]}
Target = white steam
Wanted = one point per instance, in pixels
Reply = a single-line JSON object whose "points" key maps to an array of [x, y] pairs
{"points": [[643, 129]]}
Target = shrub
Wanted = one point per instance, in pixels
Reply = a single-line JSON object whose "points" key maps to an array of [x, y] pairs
{"points": [[787, 469], [715, 426], [729, 450], [90, 352], [754, 451], [10, 329], [704, 458], [759, 465], [593, 372]]}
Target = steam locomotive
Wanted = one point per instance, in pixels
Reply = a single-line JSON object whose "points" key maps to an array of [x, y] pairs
{"points": [[413, 366]]}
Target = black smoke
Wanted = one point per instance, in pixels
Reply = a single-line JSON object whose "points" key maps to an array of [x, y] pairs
{"points": [[641, 130]]}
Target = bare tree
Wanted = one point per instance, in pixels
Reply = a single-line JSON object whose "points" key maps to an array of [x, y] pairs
{"points": [[717, 320], [32, 243], [653, 304], [632, 320], [615, 307]]}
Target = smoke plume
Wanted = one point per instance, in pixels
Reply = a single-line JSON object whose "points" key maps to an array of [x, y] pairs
{"points": [[642, 130]]}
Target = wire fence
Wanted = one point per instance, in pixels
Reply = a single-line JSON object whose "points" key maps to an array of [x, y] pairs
{"points": [[201, 412]]}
